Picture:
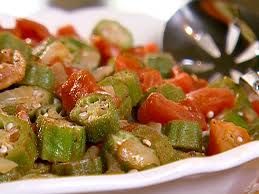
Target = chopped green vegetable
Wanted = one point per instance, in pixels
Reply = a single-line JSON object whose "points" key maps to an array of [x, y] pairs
{"points": [[114, 32], [17, 142], [26, 97], [162, 62], [134, 155], [39, 75], [234, 117], [169, 91], [60, 140], [91, 164], [131, 80], [9, 41], [186, 135], [98, 114]]}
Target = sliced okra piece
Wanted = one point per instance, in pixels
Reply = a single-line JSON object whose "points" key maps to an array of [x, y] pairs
{"points": [[60, 140], [185, 135], [29, 98], [121, 90], [17, 142], [234, 117], [254, 129], [113, 141], [157, 141], [41, 48], [9, 41], [114, 32], [112, 164], [12, 67], [84, 56], [132, 154], [169, 91], [98, 114], [39, 75], [52, 110], [91, 164], [12, 175], [162, 62], [131, 80]]}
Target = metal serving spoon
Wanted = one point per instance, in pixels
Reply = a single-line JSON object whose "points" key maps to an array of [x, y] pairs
{"points": [[216, 37]]}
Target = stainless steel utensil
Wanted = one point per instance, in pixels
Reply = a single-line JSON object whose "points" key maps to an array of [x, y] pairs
{"points": [[214, 36]]}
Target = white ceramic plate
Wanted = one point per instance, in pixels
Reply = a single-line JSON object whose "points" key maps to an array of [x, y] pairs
{"points": [[160, 179]]}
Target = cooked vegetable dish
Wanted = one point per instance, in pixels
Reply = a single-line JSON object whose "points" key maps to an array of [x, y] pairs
{"points": [[72, 107]]}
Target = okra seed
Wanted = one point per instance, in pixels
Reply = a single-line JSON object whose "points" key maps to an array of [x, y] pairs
{"points": [[1, 66], [36, 105], [240, 139], [146, 142], [83, 114], [36, 93], [46, 115], [91, 118], [210, 114], [3, 149], [9, 126]]}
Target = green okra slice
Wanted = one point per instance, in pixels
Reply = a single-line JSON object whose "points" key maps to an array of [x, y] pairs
{"points": [[98, 114], [39, 75], [17, 142], [169, 91], [131, 80], [52, 110], [185, 135], [91, 164], [12, 175], [253, 129], [157, 141], [121, 90], [132, 154], [114, 32], [60, 140], [162, 62], [84, 56], [234, 117], [9, 41], [111, 163], [114, 140], [29, 98]]}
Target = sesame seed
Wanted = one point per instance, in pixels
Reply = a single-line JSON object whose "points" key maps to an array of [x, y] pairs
{"points": [[240, 114], [146, 142], [56, 101], [3, 149], [9, 126], [210, 114], [240, 139]]}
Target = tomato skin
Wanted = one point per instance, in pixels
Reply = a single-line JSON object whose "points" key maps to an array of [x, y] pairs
{"points": [[212, 99], [157, 108], [70, 70], [106, 49], [182, 80], [126, 61], [149, 78], [196, 112], [67, 30], [185, 81], [31, 29], [79, 84], [224, 136], [255, 105]]}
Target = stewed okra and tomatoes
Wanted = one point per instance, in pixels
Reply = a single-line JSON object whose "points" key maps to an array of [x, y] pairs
{"points": [[104, 106]]}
